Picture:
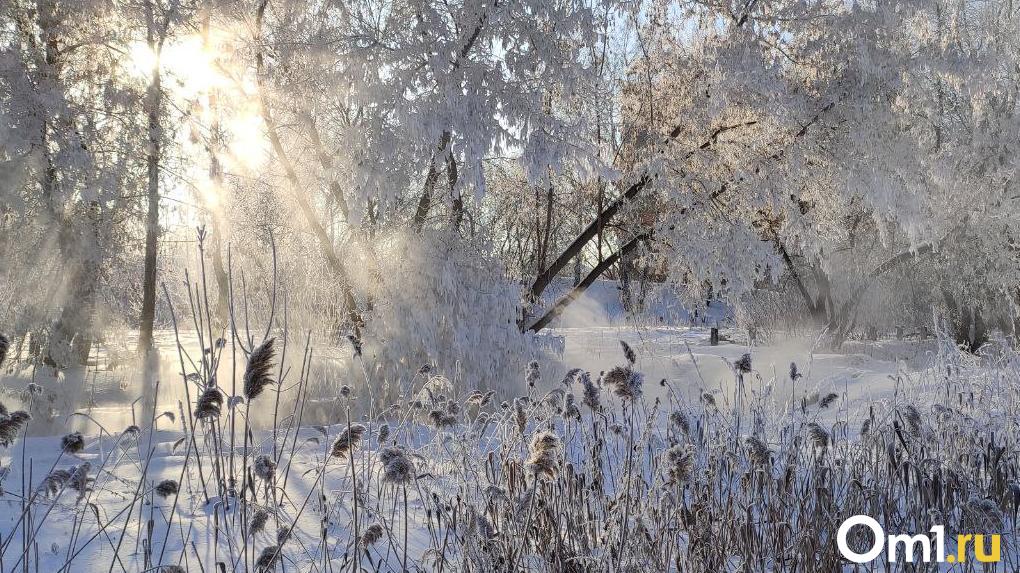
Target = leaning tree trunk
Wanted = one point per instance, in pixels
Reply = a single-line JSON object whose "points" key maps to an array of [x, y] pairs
{"points": [[326, 248], [606, 215], [560, 305]]}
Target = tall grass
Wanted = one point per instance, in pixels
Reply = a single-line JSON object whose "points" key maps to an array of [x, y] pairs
{"points": [[592, 475]]}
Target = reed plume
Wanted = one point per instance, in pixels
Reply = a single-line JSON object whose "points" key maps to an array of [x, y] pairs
{"points": [[442, 419], [397, 466], [981, 516], [256, 374], [570, 409], [592, 392], [209, 405], [519, 416], [166, 488], [628, 353], [571, 376], [818, 436], [258, 522], [679, 464], [373, 533], [757, 451], [52, 483], [77, 478], [828, 400], [265, 468], [532, 375], [270, 556], [72, 443], [913, 419], [541, 458], [10, 426], [794, 372], [679, 419], [625, 381], [743, 365], [347, 440]]}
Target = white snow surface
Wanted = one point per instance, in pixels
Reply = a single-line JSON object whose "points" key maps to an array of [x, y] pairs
{"points": [[203, 530]]}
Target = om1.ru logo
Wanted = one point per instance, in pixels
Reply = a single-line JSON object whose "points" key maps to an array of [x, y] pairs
{"points": [[910, 545]]}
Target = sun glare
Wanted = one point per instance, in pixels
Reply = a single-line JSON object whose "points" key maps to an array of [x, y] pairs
{"points": [[141, 59], [186, 62], [247, 141], [194, 72], [211, 194]]}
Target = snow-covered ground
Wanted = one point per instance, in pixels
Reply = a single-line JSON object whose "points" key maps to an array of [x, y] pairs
{"points": [[120, 521], [117, 519]]}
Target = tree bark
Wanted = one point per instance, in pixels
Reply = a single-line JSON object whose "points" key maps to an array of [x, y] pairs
{"points": [[153, 103], [425, 202], [561, 305], [594, 228]]}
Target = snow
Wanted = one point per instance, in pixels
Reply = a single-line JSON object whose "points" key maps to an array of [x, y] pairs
{"points": [[601, 305], [209, 531]]}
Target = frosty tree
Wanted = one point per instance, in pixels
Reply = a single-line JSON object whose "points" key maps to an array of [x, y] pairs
{"points": [[825, 152]]}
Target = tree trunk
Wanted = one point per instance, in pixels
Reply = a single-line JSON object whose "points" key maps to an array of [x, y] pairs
{"points": [[153, 102], [562, 304], [220, 272], [979, 334], [425, 202], [547, 230], [968, 326], [216, 177], [626, 294], [71, 338], [458, 201]]}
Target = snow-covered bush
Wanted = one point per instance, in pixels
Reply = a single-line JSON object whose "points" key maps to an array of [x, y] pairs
{"points": [[443, 301]]}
